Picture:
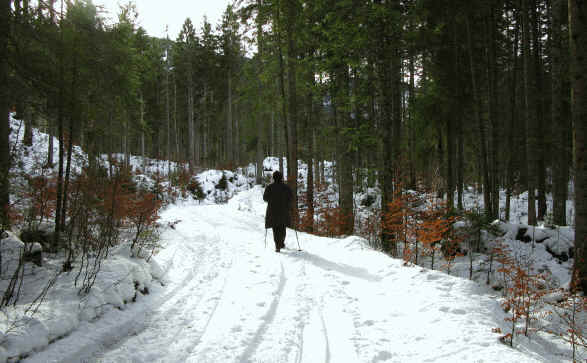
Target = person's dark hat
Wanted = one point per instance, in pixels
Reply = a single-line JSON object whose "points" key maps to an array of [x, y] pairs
{"points": [[277, 176]]}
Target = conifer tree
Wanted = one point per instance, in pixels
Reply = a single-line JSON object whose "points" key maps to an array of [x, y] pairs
{"points": [[560, 113]]}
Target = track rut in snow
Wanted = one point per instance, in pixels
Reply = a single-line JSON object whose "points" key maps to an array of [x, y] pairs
{"points": [[230, 299]]}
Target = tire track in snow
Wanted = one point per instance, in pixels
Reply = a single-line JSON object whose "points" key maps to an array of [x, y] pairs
{"points": [[197, 339], [303, 318], [267, 320], [330, 297], [187, 307], [308, 325], [117, 328], [252, 296], [325, 332], [297, 333], [201, 274]]}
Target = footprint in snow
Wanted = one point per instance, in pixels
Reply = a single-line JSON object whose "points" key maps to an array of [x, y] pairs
{"points": [[382, 356], [368, 323]]}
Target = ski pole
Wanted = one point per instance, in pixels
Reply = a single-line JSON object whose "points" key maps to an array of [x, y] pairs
{"points": [[265, 238], [297, 239]]}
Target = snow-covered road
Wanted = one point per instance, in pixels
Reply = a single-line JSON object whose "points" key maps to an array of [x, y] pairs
{"points": [[229, 299]]}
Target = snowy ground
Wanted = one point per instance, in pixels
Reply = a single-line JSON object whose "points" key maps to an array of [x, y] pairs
{"points": [[31, 160], [216, 293], [228, 298]]}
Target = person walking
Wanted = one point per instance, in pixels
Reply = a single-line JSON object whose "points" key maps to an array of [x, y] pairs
{"points": [[279, 197]]}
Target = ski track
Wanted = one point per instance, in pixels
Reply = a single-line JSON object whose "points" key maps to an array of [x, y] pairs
{"points": [[229, 299]]}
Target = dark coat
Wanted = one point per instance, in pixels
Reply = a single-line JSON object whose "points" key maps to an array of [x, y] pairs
{"points": [[279, 198]]}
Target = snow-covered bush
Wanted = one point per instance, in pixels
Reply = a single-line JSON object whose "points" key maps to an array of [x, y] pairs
{"points": [[195, 189]]}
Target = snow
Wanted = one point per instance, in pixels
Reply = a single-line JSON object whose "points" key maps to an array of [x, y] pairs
{"points": [[228, 298], [32, 159], [63, 309], [216, 290], [210, 179], [473, 199]]}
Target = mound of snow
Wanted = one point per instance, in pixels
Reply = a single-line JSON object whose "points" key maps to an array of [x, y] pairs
{"points": [[558, 241], [214, 191], [121, 280]]}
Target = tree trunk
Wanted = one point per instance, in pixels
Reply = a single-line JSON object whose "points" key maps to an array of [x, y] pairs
{"points": [[292, 161], [142, 126], [559, 117], [397, 109], [283, 146], [450, 126], [481, 124], [197, 137], [512, 124], [460, 164], [529, 117], [73, 118], [167, 109], [259, 119], [493, 114], [283, 96], [578, 40], [229, 154], [459, 122], [309, 159], [237, 142], [176, 132], [190, 112], [540, 146], [50, 132], [205, 123], [386, 78], [259, 150], [316, 159], [411, 121], [440, 161], [344, 154], [60, 116], [28, 126], [5, 112]]}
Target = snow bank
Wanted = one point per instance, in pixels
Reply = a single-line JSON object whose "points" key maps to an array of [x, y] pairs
{"points": [[32, 158], [215, 192], [119, 282], [558, 241]]}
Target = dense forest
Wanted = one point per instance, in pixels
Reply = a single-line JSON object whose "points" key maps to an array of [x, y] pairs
{"points": [[430, 95]]}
